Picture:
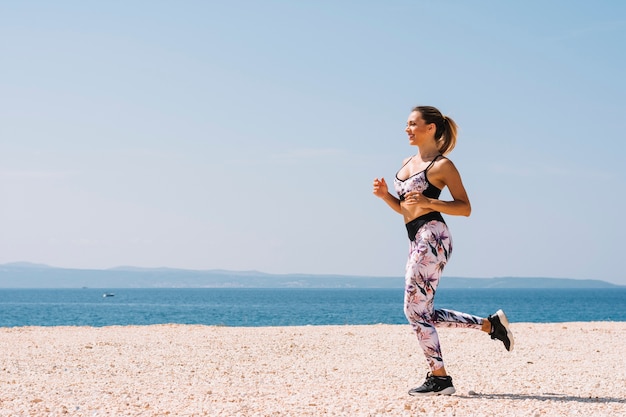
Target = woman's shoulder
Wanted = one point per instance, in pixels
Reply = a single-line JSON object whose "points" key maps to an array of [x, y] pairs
{"points": [[443, 160], [445, 165]]}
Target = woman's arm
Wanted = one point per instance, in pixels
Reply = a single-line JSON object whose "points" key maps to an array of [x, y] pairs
{"points": [[442, 175], [382, 191]]}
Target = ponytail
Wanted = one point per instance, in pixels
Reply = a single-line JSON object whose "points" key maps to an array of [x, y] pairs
{"points": [[446, 132]]}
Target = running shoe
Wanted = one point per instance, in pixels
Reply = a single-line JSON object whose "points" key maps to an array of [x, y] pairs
{"points": [[500, 329], [434, 385]]}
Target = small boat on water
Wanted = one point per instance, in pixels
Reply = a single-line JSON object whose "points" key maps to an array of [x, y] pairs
{"points": [[108, 294]]}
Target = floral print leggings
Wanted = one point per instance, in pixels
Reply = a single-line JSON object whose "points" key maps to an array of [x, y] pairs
{"points": [[428, 255]]}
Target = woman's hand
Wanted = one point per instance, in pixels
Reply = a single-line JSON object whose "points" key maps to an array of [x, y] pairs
{"points": [[382, 191], [380, 188], [416, 199]]}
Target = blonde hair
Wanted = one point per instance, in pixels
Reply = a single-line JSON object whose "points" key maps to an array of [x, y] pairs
{"points": [[446, 132]]}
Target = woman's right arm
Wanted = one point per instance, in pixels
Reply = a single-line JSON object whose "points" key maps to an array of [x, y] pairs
{"points": [[382, 191]]}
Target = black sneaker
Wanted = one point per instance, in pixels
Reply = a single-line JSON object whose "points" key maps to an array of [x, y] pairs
{"points": [[500, 329], [434, 385]]}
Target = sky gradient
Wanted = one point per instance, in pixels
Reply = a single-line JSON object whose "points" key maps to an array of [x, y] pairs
{"points": [[245, 135]]}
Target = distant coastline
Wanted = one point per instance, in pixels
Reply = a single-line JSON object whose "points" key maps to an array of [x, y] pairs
{"points": [[29, 275]]}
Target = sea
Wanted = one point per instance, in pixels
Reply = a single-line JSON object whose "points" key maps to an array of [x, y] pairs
{"points": [[254, 307]]}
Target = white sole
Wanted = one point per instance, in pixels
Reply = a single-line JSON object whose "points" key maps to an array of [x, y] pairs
{"points": [[505, 322], [447, 391]]}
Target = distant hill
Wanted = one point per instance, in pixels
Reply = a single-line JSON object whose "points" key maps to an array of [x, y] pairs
{"points": [[28, 275]]}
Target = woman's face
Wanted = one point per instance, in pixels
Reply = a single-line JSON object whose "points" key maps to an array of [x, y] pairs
{"points": [[417, 129]]}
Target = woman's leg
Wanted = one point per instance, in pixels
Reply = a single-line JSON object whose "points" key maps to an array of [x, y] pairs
{"points": [[428, 254], [450, 318]]}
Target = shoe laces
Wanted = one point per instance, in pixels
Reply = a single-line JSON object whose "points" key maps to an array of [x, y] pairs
{"points": [[431, 380], [429, 383]]}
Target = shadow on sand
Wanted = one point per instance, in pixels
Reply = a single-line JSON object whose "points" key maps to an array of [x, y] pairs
{"points": [[545, 397]]}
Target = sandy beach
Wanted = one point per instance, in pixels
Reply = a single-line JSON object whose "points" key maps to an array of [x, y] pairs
{"points": [[562, 369]]}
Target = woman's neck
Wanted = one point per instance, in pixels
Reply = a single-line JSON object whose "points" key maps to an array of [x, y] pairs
{"points": [[427, 153]]}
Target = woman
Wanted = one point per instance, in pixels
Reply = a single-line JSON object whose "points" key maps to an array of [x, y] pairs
{"points": [[418, 184]]}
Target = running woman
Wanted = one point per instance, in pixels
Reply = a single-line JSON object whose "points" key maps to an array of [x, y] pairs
{"points": [[418, 184]]}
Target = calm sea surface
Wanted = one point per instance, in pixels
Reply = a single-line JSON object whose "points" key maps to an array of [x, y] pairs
{"points": [[293, 307]]}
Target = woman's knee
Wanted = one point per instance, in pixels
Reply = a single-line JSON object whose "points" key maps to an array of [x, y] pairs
{"points": [[420, 322]]}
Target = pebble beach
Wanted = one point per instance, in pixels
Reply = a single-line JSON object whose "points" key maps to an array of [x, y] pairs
{"points": [[556, 369]]}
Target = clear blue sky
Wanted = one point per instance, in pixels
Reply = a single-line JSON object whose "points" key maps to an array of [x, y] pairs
{"points": [[245, 135]]}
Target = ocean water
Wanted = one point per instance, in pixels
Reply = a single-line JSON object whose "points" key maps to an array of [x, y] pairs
{"points": [[293, 307]]}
